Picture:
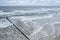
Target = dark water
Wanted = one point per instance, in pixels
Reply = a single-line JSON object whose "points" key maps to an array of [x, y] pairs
{"points": [[12, 8]]}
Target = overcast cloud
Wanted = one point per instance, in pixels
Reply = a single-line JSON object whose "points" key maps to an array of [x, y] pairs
{"points": [[29, 2]]}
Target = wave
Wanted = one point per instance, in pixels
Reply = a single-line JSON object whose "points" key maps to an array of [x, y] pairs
{"points": [[4, 23], [35, 12]]}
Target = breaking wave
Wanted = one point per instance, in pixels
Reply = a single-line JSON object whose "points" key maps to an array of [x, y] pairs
{"points": [[35, 12]]}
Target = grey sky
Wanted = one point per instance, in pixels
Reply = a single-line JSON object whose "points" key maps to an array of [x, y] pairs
{"points": [[30, 2]]}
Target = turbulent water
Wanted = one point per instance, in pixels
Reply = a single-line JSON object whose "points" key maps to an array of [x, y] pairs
{"points": [[35, 21], [28, 10]]}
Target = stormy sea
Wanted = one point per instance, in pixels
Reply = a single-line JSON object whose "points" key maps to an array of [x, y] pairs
{"points": [[33, 21]]}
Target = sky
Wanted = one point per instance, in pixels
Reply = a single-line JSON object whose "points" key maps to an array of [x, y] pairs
{"points": [[29, 2]]}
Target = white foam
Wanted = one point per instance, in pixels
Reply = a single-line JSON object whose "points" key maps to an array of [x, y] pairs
{"points": [[25, 12], [4, 23]]}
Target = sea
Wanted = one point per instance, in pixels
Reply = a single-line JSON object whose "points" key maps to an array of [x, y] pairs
{"points": [[12, 8], [35, 21], [28, 10]]}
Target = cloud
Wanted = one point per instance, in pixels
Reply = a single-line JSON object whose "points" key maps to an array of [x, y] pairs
{"points": [[30, 2]]}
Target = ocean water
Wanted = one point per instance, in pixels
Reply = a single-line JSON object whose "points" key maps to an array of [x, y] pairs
{"points": [[36, 21], [12, 8], [28, 10]]}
